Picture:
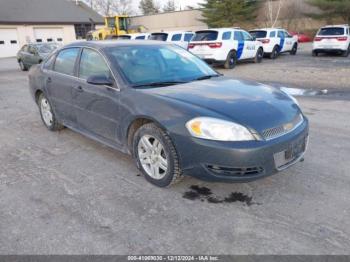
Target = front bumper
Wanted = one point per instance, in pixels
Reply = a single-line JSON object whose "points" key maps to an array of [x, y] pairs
{"points": [[238, 161]]}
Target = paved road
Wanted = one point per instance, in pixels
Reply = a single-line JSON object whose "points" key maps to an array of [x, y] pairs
{"points": [[62, 193]]}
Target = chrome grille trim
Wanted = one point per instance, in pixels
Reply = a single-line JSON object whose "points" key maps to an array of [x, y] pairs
{"points": [[278, 131]]}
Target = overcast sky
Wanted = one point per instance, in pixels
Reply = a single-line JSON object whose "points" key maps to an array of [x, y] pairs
{"points": [[178, 3]]}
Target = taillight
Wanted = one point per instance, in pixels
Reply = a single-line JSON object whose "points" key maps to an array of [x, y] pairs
{"points": [[191, 46], [265, 41], [317, 39], [215, 45], [343, 38]]}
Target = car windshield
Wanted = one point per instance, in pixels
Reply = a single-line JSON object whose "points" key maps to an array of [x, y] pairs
{"points": [[258, 34], [332, 31], [159, 36], [150, 65], [46, 48], [206, 36]]}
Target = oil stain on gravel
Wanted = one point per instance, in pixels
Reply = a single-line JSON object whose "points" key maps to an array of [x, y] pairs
{"points": [[203, 193]]}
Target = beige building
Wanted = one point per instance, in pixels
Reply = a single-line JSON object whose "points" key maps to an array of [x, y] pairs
{"points": [[188, 20], [25, 21]]}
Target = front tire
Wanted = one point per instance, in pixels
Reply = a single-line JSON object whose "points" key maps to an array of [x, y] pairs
{"points": [[294, 49], [314, 53], [47, 115], [231, 60], [156, 156], [259, 55]]}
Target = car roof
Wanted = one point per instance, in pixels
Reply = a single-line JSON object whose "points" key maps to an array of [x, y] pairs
{"points": [[267, 29], [330, 26], [220, 29], [112, 43]]}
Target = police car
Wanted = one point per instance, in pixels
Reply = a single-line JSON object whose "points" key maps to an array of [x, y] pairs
{"points": [[276, 41], [332, 39], [226, 46], [179, 38]]}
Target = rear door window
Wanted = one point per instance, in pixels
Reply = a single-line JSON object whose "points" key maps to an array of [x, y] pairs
{"points": [[92, 64], [332, 31], [273, 34], [176, 37], [206, 36], [258, 34], [65, 61], [142, 37], [159, 37], [238, 36], [226, 36]]}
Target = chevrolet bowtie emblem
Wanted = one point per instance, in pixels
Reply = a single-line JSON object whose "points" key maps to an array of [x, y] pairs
{"points": [[288, 126]]}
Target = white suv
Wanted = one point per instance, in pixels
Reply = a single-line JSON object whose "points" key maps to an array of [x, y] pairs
{"points": [[332, 39], [179, 38], [276, 41], [226, 46]]}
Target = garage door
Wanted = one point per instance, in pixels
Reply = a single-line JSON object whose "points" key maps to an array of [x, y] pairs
{"points": [[43, 35], [8, 42]]}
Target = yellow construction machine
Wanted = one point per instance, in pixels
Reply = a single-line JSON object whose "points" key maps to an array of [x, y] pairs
{"points": [[114, 26]]}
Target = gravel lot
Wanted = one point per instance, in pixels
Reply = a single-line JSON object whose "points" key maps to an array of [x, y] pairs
{"points": [[301, 71], [62, 193]]}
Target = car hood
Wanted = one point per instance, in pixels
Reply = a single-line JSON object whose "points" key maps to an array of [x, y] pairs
{"points": [[251, 104]]}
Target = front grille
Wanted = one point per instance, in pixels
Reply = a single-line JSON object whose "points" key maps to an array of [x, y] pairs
{"points": [[236, 171], [278, 131]]}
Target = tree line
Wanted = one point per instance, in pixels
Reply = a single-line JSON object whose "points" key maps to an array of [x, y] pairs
{"points": [[225, 13]]}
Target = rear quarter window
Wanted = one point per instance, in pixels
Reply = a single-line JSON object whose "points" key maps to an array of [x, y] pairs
{"points": [[226, 36], [188, 37], [206, 36]]}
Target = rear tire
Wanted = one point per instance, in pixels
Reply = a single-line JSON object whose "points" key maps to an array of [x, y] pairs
{"points": [[259, 55], [274, 54], [314, 53], [22, 66], [231, 60], [156, 156], [294, 49], [47, 115]]}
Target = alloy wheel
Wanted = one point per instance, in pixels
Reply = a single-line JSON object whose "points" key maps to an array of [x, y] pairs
{"points": [[46, 112], [152, 157]]}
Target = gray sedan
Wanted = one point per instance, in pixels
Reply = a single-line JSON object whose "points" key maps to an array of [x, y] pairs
{"points": [[168, 109], [35, 53]]}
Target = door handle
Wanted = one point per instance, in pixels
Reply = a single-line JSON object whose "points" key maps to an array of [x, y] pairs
{"points": [[79, 88]]}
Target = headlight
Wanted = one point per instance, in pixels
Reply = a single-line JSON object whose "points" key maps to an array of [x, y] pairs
{"points": [[217, 129]]}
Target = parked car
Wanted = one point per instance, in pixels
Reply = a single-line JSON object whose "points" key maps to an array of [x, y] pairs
{"points": [[179, 38], [276, 41], [302, 37], [193, 122], [226, 46], [332, 39], [35, 53]]}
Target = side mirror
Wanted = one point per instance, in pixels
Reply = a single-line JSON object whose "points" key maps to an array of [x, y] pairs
{"points": [[100, 80]]}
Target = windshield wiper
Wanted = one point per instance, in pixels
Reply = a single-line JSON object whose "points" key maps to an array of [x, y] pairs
{"points": [[160, 84], [206, 77]]}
